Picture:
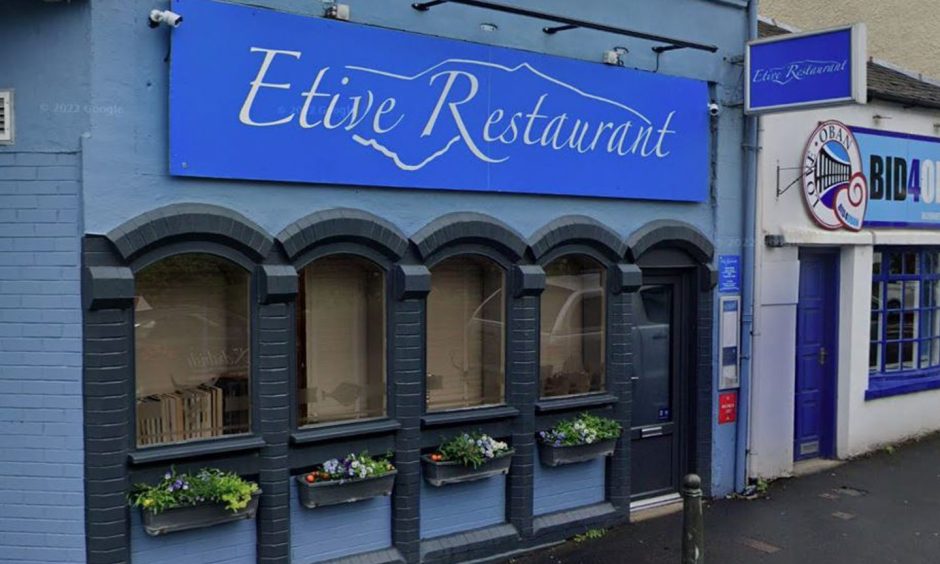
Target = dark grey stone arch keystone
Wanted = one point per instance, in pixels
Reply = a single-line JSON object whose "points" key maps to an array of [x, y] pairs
{"points": [[343, 225], [577, 229], [188, 222], [670, 233], [469, 228]]}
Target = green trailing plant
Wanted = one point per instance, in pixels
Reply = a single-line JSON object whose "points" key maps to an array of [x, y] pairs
{"points": [[584, 429], [762, 486], [590, 534], [470, 449], [208, 485]]}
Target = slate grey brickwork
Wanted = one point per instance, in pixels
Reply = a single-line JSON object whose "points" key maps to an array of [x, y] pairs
{"points": [[276, 449], [407, 374], [275, 337], [41, 450]]}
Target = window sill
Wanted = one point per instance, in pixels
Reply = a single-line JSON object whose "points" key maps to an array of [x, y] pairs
{"points": [[331, 431], [194, 449], [550, 405], [888, 386], [474, 415]]}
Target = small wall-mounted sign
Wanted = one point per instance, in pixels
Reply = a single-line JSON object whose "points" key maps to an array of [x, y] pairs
{"points": [[730, 339], [729, 274], [803, 70], [727, 407]]}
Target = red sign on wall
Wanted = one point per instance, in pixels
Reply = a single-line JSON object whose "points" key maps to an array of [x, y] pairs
{"points": [[727, 407]]}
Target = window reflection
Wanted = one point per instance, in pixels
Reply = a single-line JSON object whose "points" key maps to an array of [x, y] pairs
{"points": [[341, 340], [191, 349], [465, 334], [572, 336]]}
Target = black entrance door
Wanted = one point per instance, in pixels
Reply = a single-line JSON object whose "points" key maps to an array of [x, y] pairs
{"points": [[660, 412]]}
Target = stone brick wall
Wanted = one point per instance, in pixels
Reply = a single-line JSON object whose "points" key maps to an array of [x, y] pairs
{"points": [[41, 448], [899, 31]]}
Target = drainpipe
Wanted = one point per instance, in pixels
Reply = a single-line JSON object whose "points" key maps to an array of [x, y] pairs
{"points": [[749, 239]]}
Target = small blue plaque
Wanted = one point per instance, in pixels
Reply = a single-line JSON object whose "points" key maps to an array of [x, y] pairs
{"points": [[729, 274]]}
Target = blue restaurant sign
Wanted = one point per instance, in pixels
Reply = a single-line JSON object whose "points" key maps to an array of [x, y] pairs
{"points": [[804, 70], [264, 95]]}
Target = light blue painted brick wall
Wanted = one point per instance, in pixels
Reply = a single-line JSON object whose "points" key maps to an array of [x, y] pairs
{"points": [[231, 543], [41, 443], [338, 530], [462, 507], [126, 158], [568, 486]]}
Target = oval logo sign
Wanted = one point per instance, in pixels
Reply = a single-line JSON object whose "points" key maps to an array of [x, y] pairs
{"points": [[834, 187]]}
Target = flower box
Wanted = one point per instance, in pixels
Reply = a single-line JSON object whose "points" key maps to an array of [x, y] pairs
{"points": [[552, 455], [335, 492], [451, 472], [196, 516]]}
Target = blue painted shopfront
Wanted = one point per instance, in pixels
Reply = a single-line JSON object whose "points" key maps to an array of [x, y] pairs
{"points": [[119, 141]]}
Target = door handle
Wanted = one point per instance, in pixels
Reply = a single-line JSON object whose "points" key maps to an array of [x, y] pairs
{"points": [[651, 432], [823, 355]]}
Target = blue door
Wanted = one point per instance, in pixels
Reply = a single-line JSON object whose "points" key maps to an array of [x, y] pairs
{"points": [[816, 320]]}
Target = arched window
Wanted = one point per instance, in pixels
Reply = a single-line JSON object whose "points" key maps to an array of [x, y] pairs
{"points": [[465, 334], [573, 335], [191, 346], [341, 340]]}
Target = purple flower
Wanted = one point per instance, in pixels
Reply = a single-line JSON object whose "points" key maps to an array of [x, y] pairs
{"points": [[167, 476]]}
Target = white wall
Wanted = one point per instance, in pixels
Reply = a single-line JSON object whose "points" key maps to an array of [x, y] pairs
{"points": [[860, 425], [772, 382]]}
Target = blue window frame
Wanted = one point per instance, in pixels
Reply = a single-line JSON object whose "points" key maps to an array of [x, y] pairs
{"points": [[904, 352]]}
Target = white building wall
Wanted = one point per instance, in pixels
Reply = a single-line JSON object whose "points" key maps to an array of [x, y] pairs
{"points": [[860, 425]]}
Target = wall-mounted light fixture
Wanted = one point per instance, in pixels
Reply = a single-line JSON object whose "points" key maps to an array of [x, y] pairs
{"points": [[167, 17], [615, 56], [489, 27], [336, 11]]}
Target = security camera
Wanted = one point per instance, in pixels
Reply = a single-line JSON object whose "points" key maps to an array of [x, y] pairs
{"points": [[714, 109], [167, 17]]}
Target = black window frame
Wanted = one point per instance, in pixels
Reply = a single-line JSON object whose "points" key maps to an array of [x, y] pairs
{"points": [[505, 266], [347, 249], [605, 264], [197, 447]]}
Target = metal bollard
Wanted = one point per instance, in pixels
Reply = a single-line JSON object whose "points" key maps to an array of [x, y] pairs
{"points": [[693, 524]]}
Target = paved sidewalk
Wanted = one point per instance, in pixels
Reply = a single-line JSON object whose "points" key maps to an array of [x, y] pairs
{"points": [[880, 509]]}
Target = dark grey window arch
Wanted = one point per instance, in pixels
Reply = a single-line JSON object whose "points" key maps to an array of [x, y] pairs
{"points": [[184, 238], [345, 259], [471, 259]]}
